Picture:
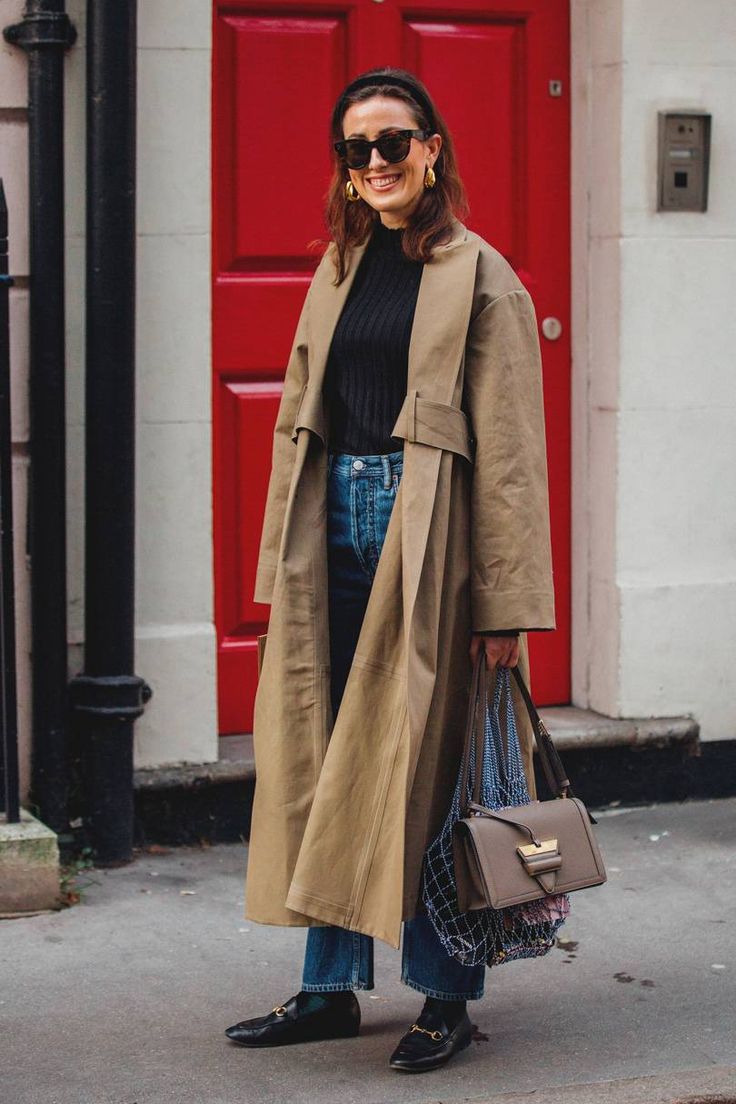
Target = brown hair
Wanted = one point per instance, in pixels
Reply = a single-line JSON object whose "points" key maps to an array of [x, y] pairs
{"points": [[431, 220]]}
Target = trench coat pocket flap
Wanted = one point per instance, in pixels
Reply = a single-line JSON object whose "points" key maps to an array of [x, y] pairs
{"points": [[310, 413], [434, 423], [261, 641]]}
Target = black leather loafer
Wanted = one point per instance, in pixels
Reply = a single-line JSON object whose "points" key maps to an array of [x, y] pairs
{"points": [[430, 1043], [290, 1023]]}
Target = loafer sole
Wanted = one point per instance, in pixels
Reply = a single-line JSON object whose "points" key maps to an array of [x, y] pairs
{"points": [[291, 1040]]}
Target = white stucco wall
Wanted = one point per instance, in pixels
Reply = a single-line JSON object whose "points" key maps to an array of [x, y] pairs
{"points": [[176, 642], [654, 532], [175, 634]]}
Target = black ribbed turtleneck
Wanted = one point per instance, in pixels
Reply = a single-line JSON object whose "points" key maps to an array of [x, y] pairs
{"points": [[366, 374]]}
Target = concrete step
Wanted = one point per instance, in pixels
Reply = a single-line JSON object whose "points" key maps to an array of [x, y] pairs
{"points": [[30, 877], [609, 762], [236, 763], [572, 729]]}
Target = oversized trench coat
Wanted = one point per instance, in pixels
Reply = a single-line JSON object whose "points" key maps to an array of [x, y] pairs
{"points": [[345, 807]]}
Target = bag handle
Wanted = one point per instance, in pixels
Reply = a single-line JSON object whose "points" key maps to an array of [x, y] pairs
{"points": [[474, 714], [552, 765]]}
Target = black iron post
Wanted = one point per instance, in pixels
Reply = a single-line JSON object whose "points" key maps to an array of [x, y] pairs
{"points": [[8, 695], [108, 696], [45, 33]]}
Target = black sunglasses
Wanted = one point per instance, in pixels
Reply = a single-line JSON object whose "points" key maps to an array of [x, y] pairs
{"points": [[393, 147]]}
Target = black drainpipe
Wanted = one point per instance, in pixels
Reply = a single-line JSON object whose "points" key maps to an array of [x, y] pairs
{"points": [[10, 787], [108, 696], [45, 33]]}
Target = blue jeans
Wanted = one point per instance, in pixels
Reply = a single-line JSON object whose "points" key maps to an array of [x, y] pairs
{"points": [[360, 495]]}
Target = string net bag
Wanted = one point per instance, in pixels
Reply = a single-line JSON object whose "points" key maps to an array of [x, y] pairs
{"points": [[493, 936]]}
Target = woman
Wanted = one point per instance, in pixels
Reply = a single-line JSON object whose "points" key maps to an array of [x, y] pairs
{"points": [[406, 527]]}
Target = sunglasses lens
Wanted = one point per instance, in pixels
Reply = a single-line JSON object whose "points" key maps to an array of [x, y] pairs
{"points": [[394, 147], [357, 153]]}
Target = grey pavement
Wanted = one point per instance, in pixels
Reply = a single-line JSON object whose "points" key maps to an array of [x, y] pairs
{"points": [[123, 998]]}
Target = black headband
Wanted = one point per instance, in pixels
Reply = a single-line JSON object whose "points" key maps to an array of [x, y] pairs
{"points": [[389, 78]]}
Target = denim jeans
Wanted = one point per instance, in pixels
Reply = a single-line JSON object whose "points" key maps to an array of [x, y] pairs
{"points": [[361, 491]]}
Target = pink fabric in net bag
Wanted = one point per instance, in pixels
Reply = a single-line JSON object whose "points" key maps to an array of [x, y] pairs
{"points": [[555, 906]]}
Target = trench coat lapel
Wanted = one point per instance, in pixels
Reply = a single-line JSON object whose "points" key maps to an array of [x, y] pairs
{"points": [[435, 357]]}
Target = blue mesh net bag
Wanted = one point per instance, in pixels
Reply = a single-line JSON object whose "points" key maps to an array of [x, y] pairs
{"points": [[489, 935]]}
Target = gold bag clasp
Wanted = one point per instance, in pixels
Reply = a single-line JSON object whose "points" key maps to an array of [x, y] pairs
{"points": [[538, 859], [525, 849]]}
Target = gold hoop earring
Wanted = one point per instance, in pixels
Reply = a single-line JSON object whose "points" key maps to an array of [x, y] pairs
{"points": [[429, 178], [350, 192]]}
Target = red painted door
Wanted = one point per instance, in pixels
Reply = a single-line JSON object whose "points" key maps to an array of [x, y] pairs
{"points": [[499, 73]]}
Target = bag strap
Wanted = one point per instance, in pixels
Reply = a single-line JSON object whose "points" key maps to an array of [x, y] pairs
{"points": [[547, 751]]}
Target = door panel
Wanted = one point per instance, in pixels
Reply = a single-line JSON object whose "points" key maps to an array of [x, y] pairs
{"points": [[276, 73]]}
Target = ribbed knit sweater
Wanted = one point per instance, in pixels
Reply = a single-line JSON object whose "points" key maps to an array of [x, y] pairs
{"points": [[366, 374]]}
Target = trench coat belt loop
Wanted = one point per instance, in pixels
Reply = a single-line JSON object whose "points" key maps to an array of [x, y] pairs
{"points": [[441, 425]]}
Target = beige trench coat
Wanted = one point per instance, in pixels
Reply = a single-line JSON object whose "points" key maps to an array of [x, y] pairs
{"points": [[344, 808]]}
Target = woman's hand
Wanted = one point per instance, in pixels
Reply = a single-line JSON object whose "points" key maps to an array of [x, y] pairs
{"points": [[499, 649]]}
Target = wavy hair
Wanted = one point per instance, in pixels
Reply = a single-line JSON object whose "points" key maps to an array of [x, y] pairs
{"points": [[430, 223]]}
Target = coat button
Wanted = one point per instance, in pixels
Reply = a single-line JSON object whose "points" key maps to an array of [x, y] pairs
{"points": [[358, 464]]}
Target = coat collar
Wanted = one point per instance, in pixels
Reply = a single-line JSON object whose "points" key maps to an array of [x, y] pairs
{"points": [[440, 319]]}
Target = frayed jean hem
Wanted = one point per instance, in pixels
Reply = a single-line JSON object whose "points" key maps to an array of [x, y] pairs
{"points": [[440, 994], [335, 987]]}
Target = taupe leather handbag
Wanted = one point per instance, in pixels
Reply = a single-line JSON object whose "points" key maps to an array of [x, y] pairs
{"points": [[519, 853]]}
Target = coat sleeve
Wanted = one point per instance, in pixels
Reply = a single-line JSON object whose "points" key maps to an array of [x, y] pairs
{"points": [[510, 547], [283, 454]]}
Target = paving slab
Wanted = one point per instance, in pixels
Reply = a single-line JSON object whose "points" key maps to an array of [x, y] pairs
{"points": [[712, 1085], [124, 998]]}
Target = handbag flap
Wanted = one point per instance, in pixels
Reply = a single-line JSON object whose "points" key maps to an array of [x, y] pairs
{"points": [[491, 850]]}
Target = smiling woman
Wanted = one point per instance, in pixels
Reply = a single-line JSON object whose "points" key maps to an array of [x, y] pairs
{"points": [[399, 158], [392, 189], [406, 526]]}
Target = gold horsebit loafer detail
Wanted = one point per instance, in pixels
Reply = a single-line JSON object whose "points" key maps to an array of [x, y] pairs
{"points": [[436, 1035]]}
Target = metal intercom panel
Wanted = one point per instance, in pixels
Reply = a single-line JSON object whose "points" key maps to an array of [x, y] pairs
{"points": [[682, 161]]}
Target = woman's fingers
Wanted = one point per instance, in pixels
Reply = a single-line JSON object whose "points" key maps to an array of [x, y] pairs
{"points": [[503, 650]]}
